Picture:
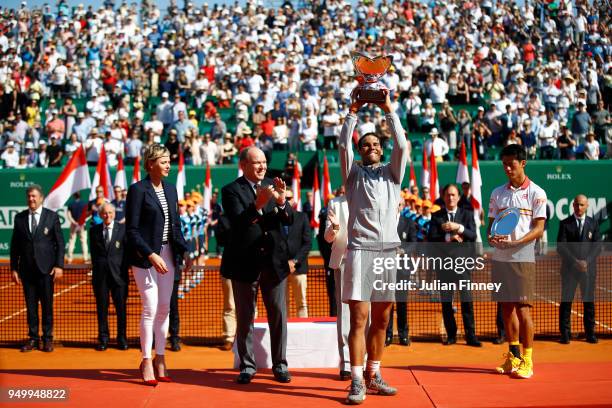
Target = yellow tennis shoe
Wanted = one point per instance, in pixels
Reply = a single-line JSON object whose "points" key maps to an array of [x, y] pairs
{"points": [[525, 369], [510, 365]]}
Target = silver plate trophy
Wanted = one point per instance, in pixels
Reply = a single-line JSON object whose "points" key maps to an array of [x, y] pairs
{"points": [[506, 221], [370, 70]]}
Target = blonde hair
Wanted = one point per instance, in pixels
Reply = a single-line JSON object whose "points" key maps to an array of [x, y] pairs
{"points": [[154, 152]]}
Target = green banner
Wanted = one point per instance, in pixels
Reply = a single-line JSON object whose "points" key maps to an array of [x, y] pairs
{"points": [[561, 180]]}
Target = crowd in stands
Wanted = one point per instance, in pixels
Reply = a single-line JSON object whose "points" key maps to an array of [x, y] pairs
{"points": [[212, 80]]}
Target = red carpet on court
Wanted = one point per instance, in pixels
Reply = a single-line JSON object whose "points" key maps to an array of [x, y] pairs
{"points": [[554, 385]]}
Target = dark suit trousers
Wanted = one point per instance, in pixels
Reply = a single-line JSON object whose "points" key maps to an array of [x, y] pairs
{"points": [[569, 283], [273, 293], [401, 308], [467, 307], [37, 289], [174, 325], [118, 293]]}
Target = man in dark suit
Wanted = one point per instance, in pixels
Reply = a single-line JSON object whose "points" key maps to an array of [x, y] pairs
{"points": [[577, 243], [299, 242], [37, 261], [454, 225], [257, 255], [407, 231], [109, 274]]}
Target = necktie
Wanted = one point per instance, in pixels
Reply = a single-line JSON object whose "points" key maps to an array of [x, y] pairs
{"points": [[106, 237], [34, 224], [286, 230], [451, 216], [580, 226]]}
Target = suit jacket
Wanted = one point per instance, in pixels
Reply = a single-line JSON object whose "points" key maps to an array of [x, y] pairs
{"points": [[462, 216], [572, 246], [253, 235], [145, 223], [38, 253], [109, 261], [339, 239], [299, 241]]}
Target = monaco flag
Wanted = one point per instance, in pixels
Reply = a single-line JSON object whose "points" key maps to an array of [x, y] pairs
{"points": [[74, 177], [476, 184], [120, 179], [181, 179], [102, 178], [462, 168], [326, 181], [412, 181], [316, 200], [207, 190], [425, 172], [295, 187], [434, 186], [136, 172]]}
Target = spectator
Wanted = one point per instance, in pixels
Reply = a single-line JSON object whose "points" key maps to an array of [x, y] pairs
{"points": [[567, 144], [591, 147], [547, 137], [55, 152], [10, 156], [581, 123]]}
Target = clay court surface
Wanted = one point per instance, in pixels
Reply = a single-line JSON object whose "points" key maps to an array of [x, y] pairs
{"points": [[426, 374]]}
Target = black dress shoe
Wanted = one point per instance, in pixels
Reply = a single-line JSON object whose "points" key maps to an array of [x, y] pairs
{"points": [[282, 376], [592, 339], [175, 345], [404, 341], [102, 346], [122, 345], [474, 342], [450, 341], [345, 375], [388, 341], [498, 340], [244, 378], [30, 345], [47, 346], [564, 340]]}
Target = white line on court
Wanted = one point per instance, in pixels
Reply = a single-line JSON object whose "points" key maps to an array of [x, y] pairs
{"points": [[68, 289], [552, 302]]}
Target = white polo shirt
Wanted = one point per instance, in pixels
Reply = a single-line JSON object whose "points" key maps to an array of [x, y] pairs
{"points": [[531, 200]]}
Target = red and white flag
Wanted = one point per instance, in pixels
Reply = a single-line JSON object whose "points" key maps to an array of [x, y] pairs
{"points": [[120, 179], [102, 178], [136, 172], [476, 184], [316, 200], [181, 179], [462, 167], [207, 190], [326, 181], [295, 188], [412, 181], [434, 186], [74, 177], [425, 172]]}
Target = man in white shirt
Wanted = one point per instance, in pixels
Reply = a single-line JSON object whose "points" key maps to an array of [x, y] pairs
{"points": [[367, 126], [412, 107], [331, 120], [93, 146], [10, 156], [439, 145], [514, 258]]}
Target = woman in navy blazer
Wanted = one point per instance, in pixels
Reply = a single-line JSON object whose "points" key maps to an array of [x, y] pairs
{"points": [[155, 244]]}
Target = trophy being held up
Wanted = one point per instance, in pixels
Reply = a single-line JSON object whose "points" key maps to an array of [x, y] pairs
{"points": [[370, 70]]}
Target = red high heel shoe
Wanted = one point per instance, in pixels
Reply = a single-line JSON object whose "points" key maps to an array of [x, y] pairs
{"points": [[160, 378], [152, 383]]}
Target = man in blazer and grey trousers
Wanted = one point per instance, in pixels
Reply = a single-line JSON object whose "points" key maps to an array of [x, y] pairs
{"points": [[37, 260], [109, 274], [578, 245], [257, 255]]}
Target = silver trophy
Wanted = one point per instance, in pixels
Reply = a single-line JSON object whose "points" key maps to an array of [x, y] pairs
{"points": [[370, 70]]}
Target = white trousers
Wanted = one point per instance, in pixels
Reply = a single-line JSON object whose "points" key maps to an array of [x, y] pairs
{"points": [[155, 291]]}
